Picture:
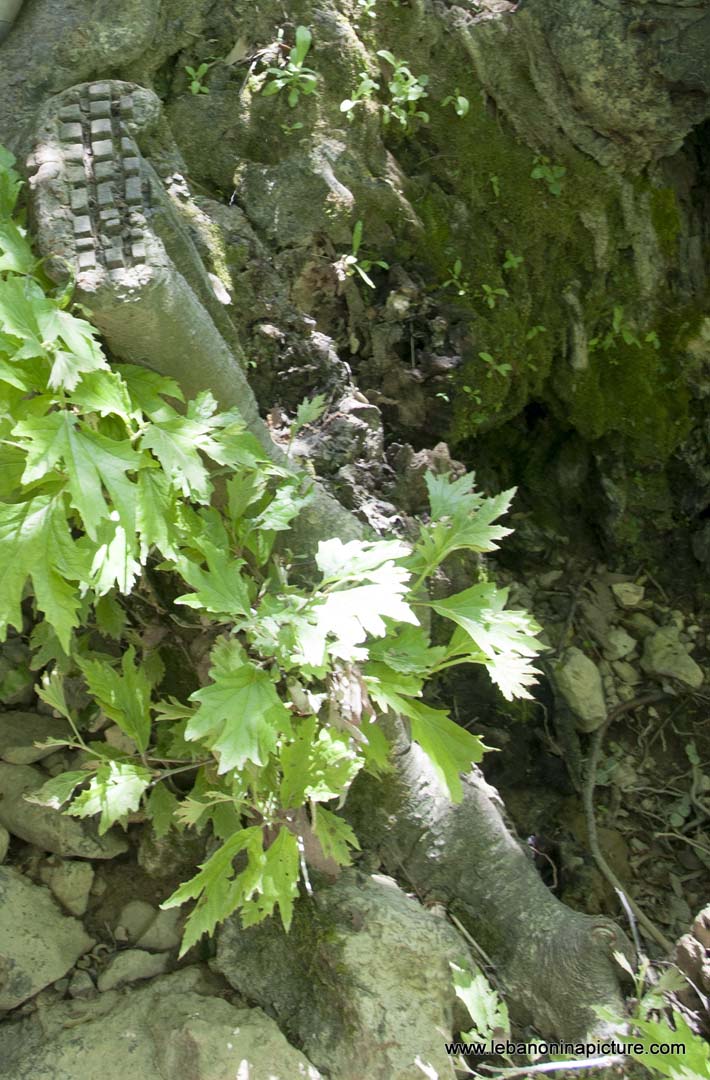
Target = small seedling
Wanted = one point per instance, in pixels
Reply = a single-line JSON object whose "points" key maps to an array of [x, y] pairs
{"points": [[543, 169], [354, 264], [292, 75], [196, 76], [367, 7], [310, 410], [512, 262], [489, 295], [494, 366], [457, 279], [363, 92], [291, 129], [495, 184], [460, 103], [406, 91], [534, 331], [473, 394]]}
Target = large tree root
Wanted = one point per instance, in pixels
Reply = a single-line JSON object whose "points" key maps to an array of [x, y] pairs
{"points": [[100, 206], [555, 963]]}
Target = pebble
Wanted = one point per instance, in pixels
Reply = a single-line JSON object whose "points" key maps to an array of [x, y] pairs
{"points": [[627, 595]]}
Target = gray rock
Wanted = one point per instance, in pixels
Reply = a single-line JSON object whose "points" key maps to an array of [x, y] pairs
{"points": [[175, 1027], [394, 1004], [71, 882], [38, 945], [627, 595], [20, 730], [626, 672], [164, 933], [4, 842], [81, 985], [618, 644], [130, 966], [666, 656], [580, 683], [46, 828], [640, 624], [134, 918]]}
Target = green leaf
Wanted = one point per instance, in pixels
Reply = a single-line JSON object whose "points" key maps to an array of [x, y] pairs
{"points": [[161, 807], [147, 390], [15, 252], [336, 837], [450, 748], [448, 497], [357, 558], [221, 588], [110, 617], [103, 392], [240, 715], [58, 790], [113, 792], [489, 1014], [408, 651], [155, 513], [125, 698], [10, 183], [317, 764], [36, 542], [91, 462], [309, 410]]}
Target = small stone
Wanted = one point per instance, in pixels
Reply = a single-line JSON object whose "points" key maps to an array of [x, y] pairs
{"points": [[618, 644], [99, 90], [135, 917], [626, 673], [130, 966], [81, 985], [665, 655], [127, 105], [4, 842], [580, 683], [640, 624], [19, 731], [71, 882], [163, 933], [131, 166], [138, 251], [627, 595], [86, 260]]}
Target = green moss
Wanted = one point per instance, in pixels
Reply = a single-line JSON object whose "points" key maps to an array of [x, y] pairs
{"points": [[665, 219]]}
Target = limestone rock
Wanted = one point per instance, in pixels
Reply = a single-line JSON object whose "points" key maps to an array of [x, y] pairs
{"points": [[580, 683], [38, 944], [175, 1027], [134, 918], [391, 1003], [618, 644], [49, 829], [626, 594], [164, 933], [20, 730], [70, 881], [664, 654], [130, 966]]}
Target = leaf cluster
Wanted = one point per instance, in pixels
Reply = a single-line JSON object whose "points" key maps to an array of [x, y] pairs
{"points": [[136, 526]]}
